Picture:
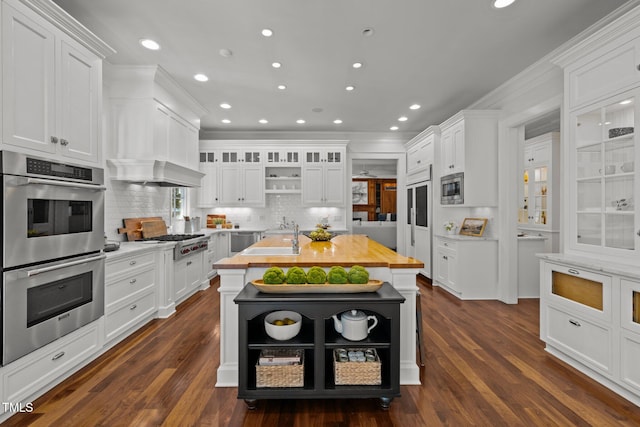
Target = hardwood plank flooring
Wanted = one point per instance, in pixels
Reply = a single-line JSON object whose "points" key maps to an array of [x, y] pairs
{"points": [[485, 366]]}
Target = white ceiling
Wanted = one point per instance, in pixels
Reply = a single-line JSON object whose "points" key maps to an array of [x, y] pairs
{"points": [[443, 55]]}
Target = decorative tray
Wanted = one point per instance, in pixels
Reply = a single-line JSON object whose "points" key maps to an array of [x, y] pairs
{"points": [[347, 288]]}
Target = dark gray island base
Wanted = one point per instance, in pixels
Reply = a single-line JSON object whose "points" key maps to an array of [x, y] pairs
{"points": [[318, 339]]}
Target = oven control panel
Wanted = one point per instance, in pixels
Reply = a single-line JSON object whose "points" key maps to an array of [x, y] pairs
{"points": [[60, 170]]}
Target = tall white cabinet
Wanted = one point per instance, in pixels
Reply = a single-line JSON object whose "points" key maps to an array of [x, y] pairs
{"points": [[589, 294], [51, 83]]}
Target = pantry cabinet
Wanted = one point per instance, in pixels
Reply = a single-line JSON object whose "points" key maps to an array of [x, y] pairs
{"points": [[469, 145], [52, 84], [323, 177]]}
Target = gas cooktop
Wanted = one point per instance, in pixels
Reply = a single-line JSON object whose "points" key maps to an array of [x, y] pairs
{"points": [[173, 237]]}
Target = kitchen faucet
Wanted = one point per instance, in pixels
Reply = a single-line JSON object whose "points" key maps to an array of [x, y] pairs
{"points": [[295, 245]]}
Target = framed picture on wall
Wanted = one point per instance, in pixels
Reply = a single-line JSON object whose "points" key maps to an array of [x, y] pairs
{"points": [[473, 226], [360, 192]]}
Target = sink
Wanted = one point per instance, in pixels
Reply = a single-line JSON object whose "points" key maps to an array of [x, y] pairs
{"points": [[269, 251]]}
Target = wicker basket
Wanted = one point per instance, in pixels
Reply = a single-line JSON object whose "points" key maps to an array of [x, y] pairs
{"points": [[275, 376], [357, 373]]}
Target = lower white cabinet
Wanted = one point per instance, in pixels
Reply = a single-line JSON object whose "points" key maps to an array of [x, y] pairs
{"points": [[130, 294], [467, 268], [590, 318], [187, 274], [35, 373]]}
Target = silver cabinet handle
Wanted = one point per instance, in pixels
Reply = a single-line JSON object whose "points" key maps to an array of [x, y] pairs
{"points": [[132, 262], [189, 263], [575, 323], [37, 271], [58, 356], [572, 271], [132, 281], [133, 307], [40, 181]]}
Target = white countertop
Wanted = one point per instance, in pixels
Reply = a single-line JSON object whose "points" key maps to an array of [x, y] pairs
{"points": [[531, 237], [466, 238], [130, 248]]}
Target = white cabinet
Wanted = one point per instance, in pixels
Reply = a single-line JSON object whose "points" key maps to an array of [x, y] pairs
{"points": [[221, 244], [187, 275], [52, 88], [469, 145], [130, 294], [241, 178], [539, 198], [282, 157], [323, 177], [420, 152], [175, 137], [467, 268], [208, 192]]}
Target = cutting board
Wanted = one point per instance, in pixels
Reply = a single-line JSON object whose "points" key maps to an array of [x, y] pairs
{"points": [[133, 227], [153, 228]]}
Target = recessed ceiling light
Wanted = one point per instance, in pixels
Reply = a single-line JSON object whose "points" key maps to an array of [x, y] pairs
{"points": [[150, 44], [263, 121], [357, 65], [226, 121], [276, 65], [349, 88], [201, 77], [499, 4], [402, 119], [225, 105], [225, 52], [282, 87], [625, 102], [337, 121], [393, 128], [267, 32], [300, 121], [414, 107], [367, 32]]}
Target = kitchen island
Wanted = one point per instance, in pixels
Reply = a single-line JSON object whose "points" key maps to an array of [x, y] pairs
{"points": [[345, 250]]}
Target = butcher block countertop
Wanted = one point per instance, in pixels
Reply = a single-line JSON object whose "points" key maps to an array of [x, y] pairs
{"points": [[345, 250]]}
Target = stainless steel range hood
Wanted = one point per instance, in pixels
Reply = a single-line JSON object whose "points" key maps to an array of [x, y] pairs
{"points": [[159, 172]]}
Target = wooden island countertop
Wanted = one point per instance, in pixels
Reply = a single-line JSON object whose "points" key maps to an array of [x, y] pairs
{"points": [[345, 250]]}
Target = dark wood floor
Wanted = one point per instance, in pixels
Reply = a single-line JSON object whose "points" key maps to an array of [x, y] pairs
{"points": [[485, 366]]}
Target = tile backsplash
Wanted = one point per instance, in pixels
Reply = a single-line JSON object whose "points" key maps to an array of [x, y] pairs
{"points": [[128, 200]]}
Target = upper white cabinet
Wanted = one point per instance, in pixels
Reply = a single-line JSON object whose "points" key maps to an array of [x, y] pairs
{"points": [[469, 145], [420, 155], [208, 194], [282, 157], [51, 82], [323, 177], [539, 175], [602, 82]]}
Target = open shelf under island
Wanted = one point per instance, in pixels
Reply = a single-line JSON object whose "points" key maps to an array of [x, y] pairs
{"points": [[344, 250]]}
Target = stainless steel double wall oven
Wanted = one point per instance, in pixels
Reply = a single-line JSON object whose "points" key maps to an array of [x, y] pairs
{"points": [[52, 241]]}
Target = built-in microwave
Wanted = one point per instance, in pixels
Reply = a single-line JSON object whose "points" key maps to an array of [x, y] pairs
{"points": [[452, 189]]}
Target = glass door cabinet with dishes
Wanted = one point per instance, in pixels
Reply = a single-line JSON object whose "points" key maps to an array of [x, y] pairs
{"points": [[605, 187]]}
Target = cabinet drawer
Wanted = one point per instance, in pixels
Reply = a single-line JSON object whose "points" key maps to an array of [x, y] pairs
{"points": [[630, 370], [36, 370], [585, 340], [121, 265], [129, 285], [125, 317], [448, 245], [579, 290]]}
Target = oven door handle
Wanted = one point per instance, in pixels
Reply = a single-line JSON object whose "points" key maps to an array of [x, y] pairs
{"points": [[41, 181], [35, 272]]}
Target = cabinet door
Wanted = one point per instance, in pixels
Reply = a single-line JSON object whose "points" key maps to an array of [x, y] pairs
{"points": [[253, 185], [28, 82], [312, 185], [442, 268], [334, 185], [193, 271], [447, 153], [605, 189], [208, 191], [230, 188], [80, 77], [458, 148], [180, 278]]}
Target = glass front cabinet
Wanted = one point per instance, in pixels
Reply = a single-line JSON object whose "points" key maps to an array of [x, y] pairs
{"points": [[605, 188]]}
